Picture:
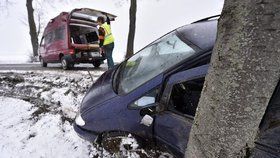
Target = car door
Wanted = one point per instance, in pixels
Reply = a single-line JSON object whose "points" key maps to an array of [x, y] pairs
{"points": [[180, 99]]}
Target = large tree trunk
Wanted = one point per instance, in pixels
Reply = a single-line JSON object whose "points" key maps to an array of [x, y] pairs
{"points": [[132, 27], [32, 27], [243, 74]]}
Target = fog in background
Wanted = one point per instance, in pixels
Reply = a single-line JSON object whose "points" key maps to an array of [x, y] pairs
{"points": [[154, 18]]}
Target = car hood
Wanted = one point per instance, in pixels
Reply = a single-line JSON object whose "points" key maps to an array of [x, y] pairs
{"points": [[99, 92]]}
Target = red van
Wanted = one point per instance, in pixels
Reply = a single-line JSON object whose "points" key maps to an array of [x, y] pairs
{"points": [[72, 38]]}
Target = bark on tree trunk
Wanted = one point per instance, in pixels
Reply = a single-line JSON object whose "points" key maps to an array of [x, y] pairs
{"points": [[32, 27], [132, 27], [243, 74]]}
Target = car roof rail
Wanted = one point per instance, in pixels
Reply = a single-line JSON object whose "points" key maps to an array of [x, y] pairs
{"points": [[206, 19]]}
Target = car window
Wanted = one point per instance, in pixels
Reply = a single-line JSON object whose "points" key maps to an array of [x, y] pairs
{"points": [[151, 61], [145, 100], [185, 96], [48, 38], [59, 33]]}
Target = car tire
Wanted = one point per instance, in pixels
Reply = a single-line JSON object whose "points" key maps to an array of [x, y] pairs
{"points": [[96, 64], [66, 64], [43, 64], [111, 141]]}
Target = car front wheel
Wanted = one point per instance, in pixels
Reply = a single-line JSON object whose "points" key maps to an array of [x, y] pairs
{"points": [[120, 144], [113, 142]]}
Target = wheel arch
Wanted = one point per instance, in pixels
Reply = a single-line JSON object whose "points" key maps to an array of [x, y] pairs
{"points": [[119, 133], [60, 55]]}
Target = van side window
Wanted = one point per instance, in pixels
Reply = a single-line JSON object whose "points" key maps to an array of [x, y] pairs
{"points": [[59, 33], [48, 38], [185, 96]]}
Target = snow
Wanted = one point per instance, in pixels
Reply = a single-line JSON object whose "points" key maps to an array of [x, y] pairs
{"points": [[37, 110], [13, 59], [48, 137], [34, 133]]}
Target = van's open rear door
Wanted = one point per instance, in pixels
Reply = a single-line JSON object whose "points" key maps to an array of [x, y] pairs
{"points": [[89, 15]]}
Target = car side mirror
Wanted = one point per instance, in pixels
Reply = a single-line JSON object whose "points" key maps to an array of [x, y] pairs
{"points": [[147, 120], [150, 110]]}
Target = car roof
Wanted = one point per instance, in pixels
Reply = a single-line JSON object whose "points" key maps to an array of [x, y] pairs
{"points": [[202, 34]]}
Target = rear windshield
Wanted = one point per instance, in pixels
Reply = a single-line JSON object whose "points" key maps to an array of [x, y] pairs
{"points": [[151, 61]]}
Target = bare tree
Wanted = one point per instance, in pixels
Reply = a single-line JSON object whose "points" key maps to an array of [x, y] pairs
{"points": [[39, 16], [244, 72], [32, 27], [132, 27], [36, 19], [4, 4]]}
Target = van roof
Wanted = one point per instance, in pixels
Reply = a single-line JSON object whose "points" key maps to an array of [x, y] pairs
{"points": [[76, 15], [56, 22]]}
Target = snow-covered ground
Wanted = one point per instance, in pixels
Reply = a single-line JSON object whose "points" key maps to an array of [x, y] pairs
{"points": [[36, 114], [24, 136]]}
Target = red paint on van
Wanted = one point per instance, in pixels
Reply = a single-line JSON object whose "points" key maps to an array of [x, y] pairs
{"points": [[72, 38]]}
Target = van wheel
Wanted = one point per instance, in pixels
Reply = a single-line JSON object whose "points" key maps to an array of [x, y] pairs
{"points": [[114, 144], [66, 64], [43, 64], [96, 64]]}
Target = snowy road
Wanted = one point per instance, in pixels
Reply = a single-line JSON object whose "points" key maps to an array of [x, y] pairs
{"points": [[51, 67]]}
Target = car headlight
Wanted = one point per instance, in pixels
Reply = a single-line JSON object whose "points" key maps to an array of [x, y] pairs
{"points": [[79, 120]]}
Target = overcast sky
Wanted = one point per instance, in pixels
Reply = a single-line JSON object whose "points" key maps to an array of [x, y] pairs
{"points": [[154, 18]]}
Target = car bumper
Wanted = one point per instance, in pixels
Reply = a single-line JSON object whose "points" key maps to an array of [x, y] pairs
{"points": [[88, 60], [85, 134]]}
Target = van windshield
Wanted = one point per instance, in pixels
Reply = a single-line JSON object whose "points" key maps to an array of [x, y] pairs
{"points": [[150, 62]]}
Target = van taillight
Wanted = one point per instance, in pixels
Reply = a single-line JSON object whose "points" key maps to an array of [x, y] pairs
{"points": [[72, 51]]}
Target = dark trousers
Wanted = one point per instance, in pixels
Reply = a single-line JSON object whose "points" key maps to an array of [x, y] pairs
{"points": [[108, 49]]}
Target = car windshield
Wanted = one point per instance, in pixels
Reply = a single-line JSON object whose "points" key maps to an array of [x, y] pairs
{"points": [[151, 61]]}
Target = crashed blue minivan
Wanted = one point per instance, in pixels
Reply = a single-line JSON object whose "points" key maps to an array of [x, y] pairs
{"points": [[154, 94]]}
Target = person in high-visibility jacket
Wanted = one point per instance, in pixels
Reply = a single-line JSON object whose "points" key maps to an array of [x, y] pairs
{"points": [[106, 40]]}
